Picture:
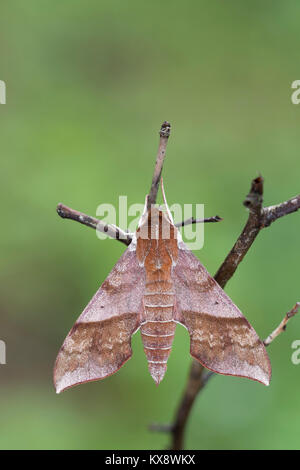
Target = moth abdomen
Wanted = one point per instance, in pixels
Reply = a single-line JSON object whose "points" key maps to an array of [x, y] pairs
{"points": [[157, 337]]}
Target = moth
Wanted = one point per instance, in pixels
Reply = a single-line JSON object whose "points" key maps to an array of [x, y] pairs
{"points": [[156, 284]]}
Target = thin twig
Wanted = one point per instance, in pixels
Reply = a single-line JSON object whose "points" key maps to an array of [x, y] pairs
{"points": [[282, 325], [164, 136], [192, 220], [272, 213], [112, 231]]}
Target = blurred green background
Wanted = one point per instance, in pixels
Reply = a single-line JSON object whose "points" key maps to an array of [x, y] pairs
{"points": [[88, 85]]}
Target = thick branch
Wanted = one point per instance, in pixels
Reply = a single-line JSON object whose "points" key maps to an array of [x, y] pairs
{"points": [[258, 218], [253, 225], [164, 136], [112, 231]]}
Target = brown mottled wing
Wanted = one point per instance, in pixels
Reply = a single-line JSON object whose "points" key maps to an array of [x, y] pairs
{"points": [[221, 337], [100, 341]]}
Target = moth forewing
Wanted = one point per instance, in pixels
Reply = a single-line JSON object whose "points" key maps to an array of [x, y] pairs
{"points": [[100, 341], [221, 337]]}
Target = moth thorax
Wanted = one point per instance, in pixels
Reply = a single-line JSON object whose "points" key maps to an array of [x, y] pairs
{"points": [[156, 226]]}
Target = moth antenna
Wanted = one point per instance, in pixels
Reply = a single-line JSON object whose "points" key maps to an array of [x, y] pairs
{"points": [[146, 204], [165, 201], [143, 216]]}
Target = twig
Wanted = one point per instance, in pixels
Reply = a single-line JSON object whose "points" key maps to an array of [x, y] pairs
{"points": [[164, 136], [258, 218], [272, 213], [282, 325], [197, 380], [192, 220], [112, 231], [254, 203]]}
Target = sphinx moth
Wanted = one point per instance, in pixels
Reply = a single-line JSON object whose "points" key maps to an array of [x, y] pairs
{"points": [[156, 284]]}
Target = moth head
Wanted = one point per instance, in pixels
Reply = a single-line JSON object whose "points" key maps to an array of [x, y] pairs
{"points": [[157, 222], [149, 218], [154, 214]]}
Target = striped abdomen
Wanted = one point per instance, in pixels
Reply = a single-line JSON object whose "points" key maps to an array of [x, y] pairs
{"points": [[158, 326]]}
